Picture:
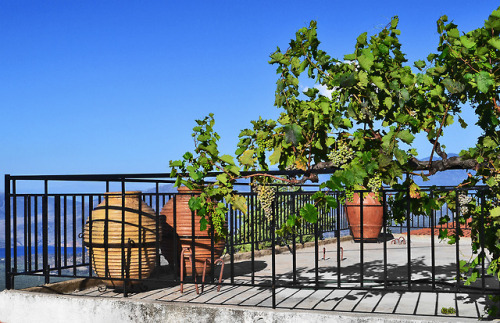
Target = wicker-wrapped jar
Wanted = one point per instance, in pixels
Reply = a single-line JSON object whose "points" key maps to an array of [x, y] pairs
{"points": [[184, 233], [103, 238]]}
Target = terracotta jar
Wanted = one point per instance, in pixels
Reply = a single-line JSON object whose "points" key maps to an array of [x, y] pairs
{"points": [[373, 216], [202, 246], [139, 233]]}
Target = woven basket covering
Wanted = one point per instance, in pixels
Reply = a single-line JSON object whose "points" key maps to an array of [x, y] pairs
{"points": [[131, 257]]}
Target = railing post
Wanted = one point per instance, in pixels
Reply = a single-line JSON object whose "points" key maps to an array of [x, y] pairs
{"points": [[9, 280]]}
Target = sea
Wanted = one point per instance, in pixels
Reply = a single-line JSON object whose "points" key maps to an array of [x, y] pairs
{"points": [[29, 281]]}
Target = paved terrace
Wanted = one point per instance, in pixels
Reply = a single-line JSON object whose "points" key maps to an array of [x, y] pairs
{"points": [[305, 303]]}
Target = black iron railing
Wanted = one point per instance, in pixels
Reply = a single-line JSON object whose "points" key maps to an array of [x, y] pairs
{"points": [[46, 237]]}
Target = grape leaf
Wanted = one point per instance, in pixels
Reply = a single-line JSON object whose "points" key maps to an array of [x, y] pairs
{"points": [[247, 158], [366, 60], [484, 81], [309, 213], [293, 133]]}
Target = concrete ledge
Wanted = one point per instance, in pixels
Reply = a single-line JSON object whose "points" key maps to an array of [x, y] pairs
{"points": [[21, 306], [65, 287]]}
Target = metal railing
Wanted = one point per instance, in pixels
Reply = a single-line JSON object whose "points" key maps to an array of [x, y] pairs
{"points": [[45, 237]]}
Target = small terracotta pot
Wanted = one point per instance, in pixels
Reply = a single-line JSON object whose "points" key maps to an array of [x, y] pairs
{"points": [[139, 233], [373, 216], [184, 233]]}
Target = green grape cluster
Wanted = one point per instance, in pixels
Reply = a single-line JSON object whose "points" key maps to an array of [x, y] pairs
{"points": [[349, 195], [497, 178], [218, 225], [265, 195], [342, 154], [374, 183], [463, 201], [266, 143]]}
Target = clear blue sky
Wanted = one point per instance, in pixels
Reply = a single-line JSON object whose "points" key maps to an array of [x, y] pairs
{"points": [[115, 86]]}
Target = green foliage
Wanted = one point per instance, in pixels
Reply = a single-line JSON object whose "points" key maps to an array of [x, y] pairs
{"points": [[365, 128], [194, 168]]}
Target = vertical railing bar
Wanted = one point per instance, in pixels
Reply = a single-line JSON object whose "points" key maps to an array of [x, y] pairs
{"points": [[337, 234], [253, 232], [65, 200], [174, 237], [433, 254], [362, 249], [457, 239], [273, 255], [8, 243], [302, 228], [408, 240], [25, 229], [193, 247], [57, 232], [316, 256], [294, 248], [45, 224], [106, 231], [36, 231], [232, 226], [158, 235], [212, 253], [481, 239], [384, 226], [14, 223], [83, 230], [29, 256], [140, 233], [74, 234], [124, 258], [91, 224]]}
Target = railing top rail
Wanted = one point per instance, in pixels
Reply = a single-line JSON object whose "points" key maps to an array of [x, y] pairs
{"points": [[149, 176]]}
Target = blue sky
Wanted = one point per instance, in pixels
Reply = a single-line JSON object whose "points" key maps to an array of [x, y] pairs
{"points": [[115, 86]]}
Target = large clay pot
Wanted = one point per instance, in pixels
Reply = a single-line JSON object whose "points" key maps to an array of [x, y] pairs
{"points": [[373, 216], [184, 233], [139, 233]]}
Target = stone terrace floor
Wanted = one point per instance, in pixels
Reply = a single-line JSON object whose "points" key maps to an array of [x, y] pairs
{"points": [[417, 302]]}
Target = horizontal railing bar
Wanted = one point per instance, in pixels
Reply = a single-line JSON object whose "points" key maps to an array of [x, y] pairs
{"points": [[126, 177], [34, 272]]}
